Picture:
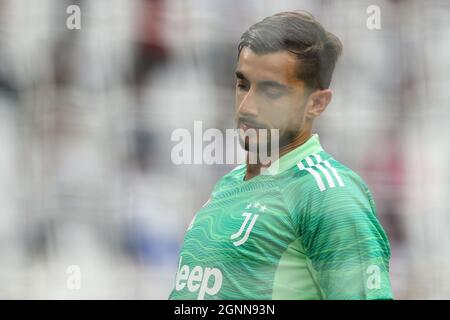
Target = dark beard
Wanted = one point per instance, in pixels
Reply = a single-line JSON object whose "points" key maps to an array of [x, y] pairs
{"points": [[245, 144], [287, 137]]}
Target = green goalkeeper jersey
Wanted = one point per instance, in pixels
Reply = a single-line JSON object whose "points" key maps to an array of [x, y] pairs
{"points": [[305, 228]]}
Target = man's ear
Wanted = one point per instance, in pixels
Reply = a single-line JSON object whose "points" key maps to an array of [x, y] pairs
{"points": [[318, 102]]}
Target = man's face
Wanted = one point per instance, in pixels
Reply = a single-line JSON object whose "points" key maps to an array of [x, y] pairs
{"points": [[269, 95]]}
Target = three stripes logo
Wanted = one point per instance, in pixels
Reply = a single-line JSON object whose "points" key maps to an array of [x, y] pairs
{"points": [[318, 166]]}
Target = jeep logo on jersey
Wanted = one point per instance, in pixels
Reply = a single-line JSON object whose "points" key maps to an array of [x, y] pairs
{"points": [[205, 281]]}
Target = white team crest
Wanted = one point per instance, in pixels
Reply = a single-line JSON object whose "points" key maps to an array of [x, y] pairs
{"points": [[247, 225]]}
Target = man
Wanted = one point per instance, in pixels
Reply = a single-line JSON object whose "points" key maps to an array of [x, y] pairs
{"points": [[304, 227]]}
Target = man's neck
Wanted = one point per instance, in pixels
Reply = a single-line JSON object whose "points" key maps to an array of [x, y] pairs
{"points": [[254, 170]]}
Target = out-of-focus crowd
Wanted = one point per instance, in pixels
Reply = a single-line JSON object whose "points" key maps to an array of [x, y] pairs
{"points": [[86, 116]]}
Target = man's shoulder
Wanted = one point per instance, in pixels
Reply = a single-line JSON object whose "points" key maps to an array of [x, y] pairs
{"points": [[322, 187], [235, 174], [321, 176]]}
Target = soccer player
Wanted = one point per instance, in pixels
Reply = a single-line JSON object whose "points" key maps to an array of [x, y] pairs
{"points": [[305, 228]]}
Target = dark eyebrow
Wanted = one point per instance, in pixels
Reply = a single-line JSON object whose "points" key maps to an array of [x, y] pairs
{"points": [[273, 84], [265, 83], [240, 75]]}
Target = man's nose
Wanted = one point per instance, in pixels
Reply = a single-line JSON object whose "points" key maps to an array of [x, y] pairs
{"points": [[249, 104]]}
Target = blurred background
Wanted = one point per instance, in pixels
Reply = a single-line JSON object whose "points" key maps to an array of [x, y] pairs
{"points": [[86, 117]]}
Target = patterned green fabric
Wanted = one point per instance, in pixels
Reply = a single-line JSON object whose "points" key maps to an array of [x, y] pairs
{"points": [[303, 229]]}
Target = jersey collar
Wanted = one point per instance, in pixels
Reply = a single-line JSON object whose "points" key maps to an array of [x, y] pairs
{"points": [[290, 159]]}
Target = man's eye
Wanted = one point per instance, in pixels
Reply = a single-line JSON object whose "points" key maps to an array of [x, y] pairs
{"points": [[242, 86], [273, 94]]}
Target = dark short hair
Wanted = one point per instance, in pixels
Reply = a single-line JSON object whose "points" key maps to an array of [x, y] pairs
{"points": [[300, 33]]}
